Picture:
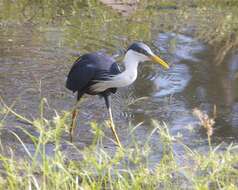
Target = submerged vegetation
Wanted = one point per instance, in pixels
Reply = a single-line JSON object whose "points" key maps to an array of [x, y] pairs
{"points": [[97, 167]]}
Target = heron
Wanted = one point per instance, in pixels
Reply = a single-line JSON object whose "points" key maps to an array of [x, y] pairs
{"points": [[99, 74]]}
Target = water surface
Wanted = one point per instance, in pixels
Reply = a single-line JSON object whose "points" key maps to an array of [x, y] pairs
{"points": [[35, 59]]}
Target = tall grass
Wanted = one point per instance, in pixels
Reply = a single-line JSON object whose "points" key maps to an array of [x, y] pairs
{"points": [[100, 168]]}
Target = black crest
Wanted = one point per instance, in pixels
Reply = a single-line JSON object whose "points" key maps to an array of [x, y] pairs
{"points": [[139, 47]]}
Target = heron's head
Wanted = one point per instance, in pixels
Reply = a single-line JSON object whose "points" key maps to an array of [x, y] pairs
{"points": [[140, 52]]}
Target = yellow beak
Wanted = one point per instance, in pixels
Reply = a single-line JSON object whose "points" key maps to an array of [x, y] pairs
{"points": [[157, 59]]}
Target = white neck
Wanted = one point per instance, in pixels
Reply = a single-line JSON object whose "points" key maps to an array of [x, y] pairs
{"points": [[127, 77], [131, 61]]}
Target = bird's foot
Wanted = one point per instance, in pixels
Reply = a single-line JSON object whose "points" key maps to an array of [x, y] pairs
{"points": [[112, 127]]}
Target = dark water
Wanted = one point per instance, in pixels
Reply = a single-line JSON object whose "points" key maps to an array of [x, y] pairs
{"points": [[35, 59]]}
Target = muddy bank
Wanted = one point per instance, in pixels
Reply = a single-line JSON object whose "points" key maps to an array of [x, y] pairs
{"points": [[125, 8]]}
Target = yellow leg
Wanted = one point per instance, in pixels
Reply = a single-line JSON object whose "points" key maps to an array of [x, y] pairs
{"points": [[112, 126], [74, 120], [73, 124]]}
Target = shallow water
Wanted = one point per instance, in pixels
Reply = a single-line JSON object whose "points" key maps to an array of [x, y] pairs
{"points": [[35, 60]]}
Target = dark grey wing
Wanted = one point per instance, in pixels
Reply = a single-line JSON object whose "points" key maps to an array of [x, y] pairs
{"points": [[80, 75], [115, 69]]}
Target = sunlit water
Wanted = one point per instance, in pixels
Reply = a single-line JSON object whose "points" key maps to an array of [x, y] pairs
{"points": [[35, 67]]}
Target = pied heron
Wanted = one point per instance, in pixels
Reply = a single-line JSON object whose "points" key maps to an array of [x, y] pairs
{"points": [[99, 74]]}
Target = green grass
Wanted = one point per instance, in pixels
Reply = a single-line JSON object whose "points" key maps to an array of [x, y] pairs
{"points": [[99, 168]]}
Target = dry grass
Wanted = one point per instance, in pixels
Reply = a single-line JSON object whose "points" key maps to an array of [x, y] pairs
{"points": [[205, 121]]}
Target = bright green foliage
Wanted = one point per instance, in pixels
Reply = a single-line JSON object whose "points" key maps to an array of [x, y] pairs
{"points": [[99, 168]]}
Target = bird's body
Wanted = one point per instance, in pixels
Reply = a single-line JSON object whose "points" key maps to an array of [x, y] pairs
{"points": [[88, 70], [99, 74]]}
